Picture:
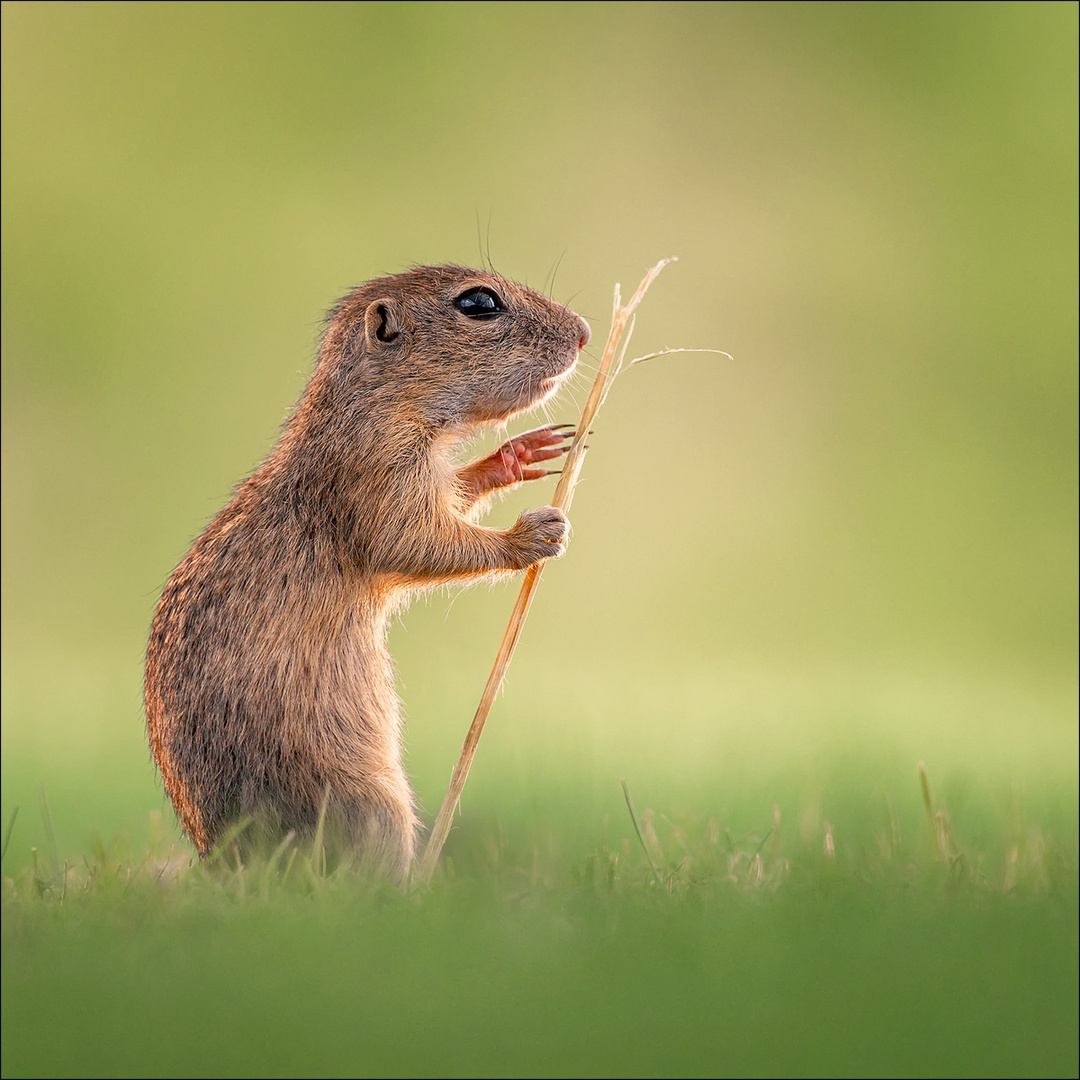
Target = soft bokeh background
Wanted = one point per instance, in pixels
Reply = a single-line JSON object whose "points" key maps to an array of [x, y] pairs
{"points": [[855, 542]]}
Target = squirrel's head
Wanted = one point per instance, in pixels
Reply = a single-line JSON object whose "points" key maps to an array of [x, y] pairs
{"points": [[454, 346]]}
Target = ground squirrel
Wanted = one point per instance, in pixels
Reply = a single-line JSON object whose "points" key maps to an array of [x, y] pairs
{"points": [[268, 680]]}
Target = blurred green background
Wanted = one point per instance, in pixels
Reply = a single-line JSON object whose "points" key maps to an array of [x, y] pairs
{"points": [[854, 542]]}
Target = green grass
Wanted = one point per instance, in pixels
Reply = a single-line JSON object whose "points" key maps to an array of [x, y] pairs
{"points": [[879, 943]]}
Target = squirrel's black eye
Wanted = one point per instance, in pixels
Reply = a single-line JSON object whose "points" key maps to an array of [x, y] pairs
{"points": [[478, 304]]}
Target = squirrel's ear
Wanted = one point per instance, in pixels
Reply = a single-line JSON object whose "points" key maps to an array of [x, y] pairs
{"points": [[383, 321]]}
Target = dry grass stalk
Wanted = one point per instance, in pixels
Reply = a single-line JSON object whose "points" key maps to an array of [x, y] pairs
{"points": [[622, 326]]}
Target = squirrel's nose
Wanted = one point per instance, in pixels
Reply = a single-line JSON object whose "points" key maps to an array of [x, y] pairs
{"points": [[584, 333]]}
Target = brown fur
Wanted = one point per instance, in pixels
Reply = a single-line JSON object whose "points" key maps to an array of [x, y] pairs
{"points": [[268, 680]]}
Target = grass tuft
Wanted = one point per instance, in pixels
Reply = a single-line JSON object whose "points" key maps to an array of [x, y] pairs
{"points": [[693, 854]]}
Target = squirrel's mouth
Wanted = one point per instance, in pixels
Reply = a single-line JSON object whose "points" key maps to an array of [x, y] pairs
{"points": [[548, 385], [570, 362], [536, 380], [551, 383], [561, 376]]}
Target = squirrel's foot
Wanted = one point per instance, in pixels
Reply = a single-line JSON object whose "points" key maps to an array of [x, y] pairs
{"points": [[509, 464]]}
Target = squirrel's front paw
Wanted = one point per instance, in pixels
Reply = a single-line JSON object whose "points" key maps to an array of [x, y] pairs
{"points": [[510, 463], [541, 534]]}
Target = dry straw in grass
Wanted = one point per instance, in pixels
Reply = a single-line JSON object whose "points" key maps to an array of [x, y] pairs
{"points": [[622, 326]]}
